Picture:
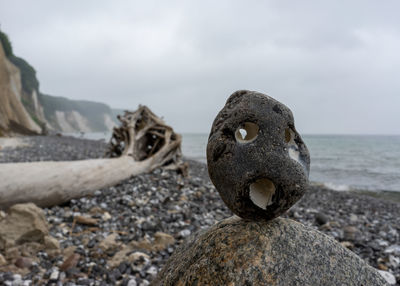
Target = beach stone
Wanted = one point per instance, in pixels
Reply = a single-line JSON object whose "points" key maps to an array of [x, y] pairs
{"points": [[51, 242], [23, 262], [395, 249], [276, 252], [85, 220], [109, 242], [162, 240], [12, 252], [350, 233], [132, 282], [106, 216], [347, 244], [69, 250], [394, 261], [17, 280], [54, 275], [353, 218], [70, 262], [382, 267], [256, 158], [127, 254], [24, 223], [389, 277], [3, 261], [138, 256], [321, 219]]}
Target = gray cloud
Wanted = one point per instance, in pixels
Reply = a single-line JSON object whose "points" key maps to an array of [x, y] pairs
{"points": [[334, 64]]}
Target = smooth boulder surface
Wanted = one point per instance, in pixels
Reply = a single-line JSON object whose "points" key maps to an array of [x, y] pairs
{"points": [[277, 252], [256, 158]]}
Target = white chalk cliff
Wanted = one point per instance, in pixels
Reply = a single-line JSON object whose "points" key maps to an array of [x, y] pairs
{"points": [[25, 110], [13, 114]]}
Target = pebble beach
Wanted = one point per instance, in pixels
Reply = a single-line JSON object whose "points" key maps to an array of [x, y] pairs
{"points": [[123, 235]]}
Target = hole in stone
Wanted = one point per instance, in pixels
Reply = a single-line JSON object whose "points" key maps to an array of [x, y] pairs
{"points": [[261, 193], [247, 132], [293, 149]]}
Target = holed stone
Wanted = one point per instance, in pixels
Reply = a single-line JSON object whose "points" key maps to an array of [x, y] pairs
{"points": [[256, 158]]}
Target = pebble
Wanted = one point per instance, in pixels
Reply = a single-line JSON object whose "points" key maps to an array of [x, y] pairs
{"points": [[54, 275], [8, 276], [163, 201], [152, 271], [3, 261], [389, 277], [51, 242], [395, 249], [17, 282], [184, 233], [106, 216], [23, 262], [353, 218], [382, 243], [350, 233], [347, 244], [70, 262], [321, 219], [394, 261], [132, 282]]}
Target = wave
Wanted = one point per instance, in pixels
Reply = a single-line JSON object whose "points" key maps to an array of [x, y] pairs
{"points": [[382, 194], [337, 187]]}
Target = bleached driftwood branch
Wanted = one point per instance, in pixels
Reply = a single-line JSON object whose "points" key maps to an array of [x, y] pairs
{"points": [[142, 143]]}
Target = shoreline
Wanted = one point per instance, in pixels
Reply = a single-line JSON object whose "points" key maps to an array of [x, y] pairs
{"points": [[162, 201], [23, 142]]}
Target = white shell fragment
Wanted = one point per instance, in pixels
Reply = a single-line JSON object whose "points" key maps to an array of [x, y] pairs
{"points": [[261, 193]]}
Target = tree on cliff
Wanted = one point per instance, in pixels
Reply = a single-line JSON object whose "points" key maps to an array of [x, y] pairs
{"points": [[5, 42]]}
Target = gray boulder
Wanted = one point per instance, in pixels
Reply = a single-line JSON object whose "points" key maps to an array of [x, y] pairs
{"points": [[276, 252], [256, 159]]}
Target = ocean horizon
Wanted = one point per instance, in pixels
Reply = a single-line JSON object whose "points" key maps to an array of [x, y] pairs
{"points": [[338, 161]]}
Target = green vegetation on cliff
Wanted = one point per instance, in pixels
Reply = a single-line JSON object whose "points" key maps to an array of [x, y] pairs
{"points": [[5, 42], [29, 80], [93, 112], [28, 73]]}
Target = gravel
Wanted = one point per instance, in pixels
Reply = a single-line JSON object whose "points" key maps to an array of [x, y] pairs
{"points": [[163, 201]]}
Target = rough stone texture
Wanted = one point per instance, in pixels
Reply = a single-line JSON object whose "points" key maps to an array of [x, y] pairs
{"points": [[233, 166], [51, 243], [24, 223], [109, 243], [3, 261], [276, 252], [70, 262], [162, 240]]}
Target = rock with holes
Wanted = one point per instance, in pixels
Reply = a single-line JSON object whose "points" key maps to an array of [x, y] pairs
{"points": [[256, 159], [279, 252]]}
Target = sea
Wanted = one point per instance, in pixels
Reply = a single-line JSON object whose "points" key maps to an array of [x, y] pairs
{"points": [[367, 163]]}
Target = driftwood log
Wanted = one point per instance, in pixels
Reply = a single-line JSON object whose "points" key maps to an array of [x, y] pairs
{"points": [[142, 143]]}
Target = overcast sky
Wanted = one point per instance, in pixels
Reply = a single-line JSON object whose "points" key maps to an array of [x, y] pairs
{"points": [[336, 64]]}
